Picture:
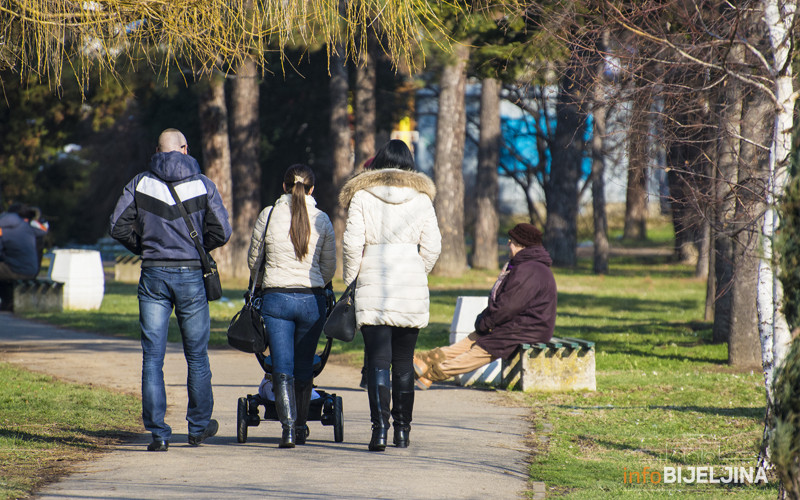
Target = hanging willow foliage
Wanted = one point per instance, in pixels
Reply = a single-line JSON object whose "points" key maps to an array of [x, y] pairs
{"points": [[40, 36]]}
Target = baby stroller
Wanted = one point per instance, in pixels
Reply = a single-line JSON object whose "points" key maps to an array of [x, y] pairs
{"points": [[325, 407]]}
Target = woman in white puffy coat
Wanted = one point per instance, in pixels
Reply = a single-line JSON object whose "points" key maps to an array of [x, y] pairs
{"points": [[299, 260], [390, 244]]}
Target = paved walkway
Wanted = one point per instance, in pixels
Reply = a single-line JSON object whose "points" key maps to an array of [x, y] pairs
{"points": [[465, 443]]}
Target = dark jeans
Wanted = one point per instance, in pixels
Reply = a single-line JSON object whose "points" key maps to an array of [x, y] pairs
{"points": [[294, 323], [393, 346], [161, 289]]}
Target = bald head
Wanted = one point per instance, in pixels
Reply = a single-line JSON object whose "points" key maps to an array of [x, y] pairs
{"points": [[171, 140]]}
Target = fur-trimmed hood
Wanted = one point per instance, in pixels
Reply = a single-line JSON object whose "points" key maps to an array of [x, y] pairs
{"points": [[380, 182]]}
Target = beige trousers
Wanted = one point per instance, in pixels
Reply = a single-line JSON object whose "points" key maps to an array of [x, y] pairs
{"points": [[461, 357]]}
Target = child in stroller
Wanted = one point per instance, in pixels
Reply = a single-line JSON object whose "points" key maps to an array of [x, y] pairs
{"points": [[325, 407]]}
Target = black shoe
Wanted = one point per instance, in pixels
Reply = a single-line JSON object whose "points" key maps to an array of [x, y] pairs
{"points": [[211, 430], [378, 441], [401, 437], [158, 445], [380, 395]]}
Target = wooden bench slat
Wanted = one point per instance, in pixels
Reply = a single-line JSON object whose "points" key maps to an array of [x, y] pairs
{"points": [[583, 343]]}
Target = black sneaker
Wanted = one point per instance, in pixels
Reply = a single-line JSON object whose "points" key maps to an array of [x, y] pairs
{"points": [[211, 430], [158, 445]]}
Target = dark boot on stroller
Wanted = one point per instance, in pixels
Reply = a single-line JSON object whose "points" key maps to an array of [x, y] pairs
{"points": [[402, 407], [285, 404], [379, 394], [302, 391]]}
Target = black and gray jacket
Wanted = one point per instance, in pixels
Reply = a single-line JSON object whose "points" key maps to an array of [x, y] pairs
{"points": [[147, 221]]}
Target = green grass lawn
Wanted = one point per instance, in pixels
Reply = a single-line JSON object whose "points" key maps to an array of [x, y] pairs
{"points": [[47, 425], [665, 395]]}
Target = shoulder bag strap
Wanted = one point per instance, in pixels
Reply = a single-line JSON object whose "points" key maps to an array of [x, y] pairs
{"points": [[262, 260], [192, 232]]}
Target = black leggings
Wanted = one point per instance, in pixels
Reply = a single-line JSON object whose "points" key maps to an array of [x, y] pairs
{"points": [[390, 345]]}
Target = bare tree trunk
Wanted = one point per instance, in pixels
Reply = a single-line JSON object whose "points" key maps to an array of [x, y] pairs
{"points": [[561, 193], [727, 171], [213, 114], [599, 112], [486, 186], [340, 139], [245, 135], [744, 344], [711, 281], [447, 168], [701, 269], [636, 193], [365, 106], [774, 330]]}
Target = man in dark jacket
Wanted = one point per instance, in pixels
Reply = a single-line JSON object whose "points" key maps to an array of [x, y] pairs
{"points": [[147, 221], [521, 310], [21, 243], [20, 240]]}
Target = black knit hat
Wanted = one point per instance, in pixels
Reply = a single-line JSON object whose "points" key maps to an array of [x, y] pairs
{"points": [[526, 235]]}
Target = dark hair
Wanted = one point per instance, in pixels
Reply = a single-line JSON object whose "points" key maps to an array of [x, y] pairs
{"points": [[298, 181], [393, 154], [25, 211]]}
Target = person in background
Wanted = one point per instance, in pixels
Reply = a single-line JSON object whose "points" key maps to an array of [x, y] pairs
{"points": [[299, 261], [391, 243], [521, 310], [147, 222], [21, 248]]}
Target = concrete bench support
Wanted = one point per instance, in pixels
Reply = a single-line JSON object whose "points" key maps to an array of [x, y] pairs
{"points": [[127, 268], [563, 364], [38, 295]]}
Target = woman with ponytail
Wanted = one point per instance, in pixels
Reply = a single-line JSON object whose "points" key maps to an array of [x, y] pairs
{"points": [[299, 260]]}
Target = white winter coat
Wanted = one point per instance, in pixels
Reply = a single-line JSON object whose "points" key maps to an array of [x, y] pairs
{"points": [[283, 270], [391, 242]]}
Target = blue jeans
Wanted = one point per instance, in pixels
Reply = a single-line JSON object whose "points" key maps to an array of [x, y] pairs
{"points": [[161, 288], [294, 323]]}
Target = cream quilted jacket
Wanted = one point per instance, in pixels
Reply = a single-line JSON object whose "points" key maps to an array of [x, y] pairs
{"points": [[283, 270], [391, 242]]}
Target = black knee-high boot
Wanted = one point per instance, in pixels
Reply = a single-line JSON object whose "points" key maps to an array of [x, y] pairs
{"points": [[379, 394], [302, 391], [402, 407], [286, 406]]}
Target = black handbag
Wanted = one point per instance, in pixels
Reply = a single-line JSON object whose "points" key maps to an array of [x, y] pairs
{"points": [[341, 321], [246, 331], [210, 273], [211, 279]]}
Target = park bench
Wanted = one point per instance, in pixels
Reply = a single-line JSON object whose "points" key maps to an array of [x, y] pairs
{"points": [[41, 295], [75, 280], [563, 364]]}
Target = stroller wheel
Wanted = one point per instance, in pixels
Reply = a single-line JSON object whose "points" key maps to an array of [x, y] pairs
{"points": [[338, 420], [241, 420]]}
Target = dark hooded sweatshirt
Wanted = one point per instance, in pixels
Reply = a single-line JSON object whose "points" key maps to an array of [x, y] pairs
{"points": [[523, 308], [18, 244], [147, 220]]}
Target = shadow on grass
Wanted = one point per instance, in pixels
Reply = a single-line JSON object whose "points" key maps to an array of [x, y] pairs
{"points": [[630, 267], [79, 437], [582, 302], [742, 411]]}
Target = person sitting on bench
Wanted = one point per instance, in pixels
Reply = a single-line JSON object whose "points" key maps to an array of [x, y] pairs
{"points": [[521, 310], [21, 244]]}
